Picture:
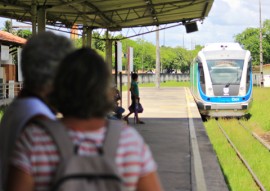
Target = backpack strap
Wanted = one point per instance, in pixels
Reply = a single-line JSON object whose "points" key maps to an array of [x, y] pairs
{"points": [[59, 135], [112, 138]]}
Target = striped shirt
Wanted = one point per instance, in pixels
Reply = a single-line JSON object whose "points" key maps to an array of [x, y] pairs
{"points": [[36, 154]]}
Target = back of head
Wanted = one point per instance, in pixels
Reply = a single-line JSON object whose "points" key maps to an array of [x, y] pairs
{"points": [[40, 58], [82, 85], [134, 76]]}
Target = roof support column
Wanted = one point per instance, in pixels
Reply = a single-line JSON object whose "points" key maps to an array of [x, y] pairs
{"points": [[83, 36], [89, 37], [157, 59], [34, 17], [41, 19], [108, 50]]}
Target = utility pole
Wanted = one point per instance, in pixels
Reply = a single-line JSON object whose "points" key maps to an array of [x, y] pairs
{"points": [[183, 40], [261, 48]]}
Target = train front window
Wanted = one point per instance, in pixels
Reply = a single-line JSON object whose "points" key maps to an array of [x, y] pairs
{"points": [[225, 71]]}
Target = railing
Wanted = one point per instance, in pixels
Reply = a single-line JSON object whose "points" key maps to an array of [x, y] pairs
{"points": [[8, 91], [150, 78]]}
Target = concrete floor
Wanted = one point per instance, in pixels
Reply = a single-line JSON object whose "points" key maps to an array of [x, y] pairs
{"points": [[167, 132]]}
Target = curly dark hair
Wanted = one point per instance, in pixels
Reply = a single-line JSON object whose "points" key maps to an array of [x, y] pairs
{"points": [[41, 56], [82, 85], [134, 76]]}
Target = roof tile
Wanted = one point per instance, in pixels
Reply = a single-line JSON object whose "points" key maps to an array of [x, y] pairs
{"points": [[8, 37]]}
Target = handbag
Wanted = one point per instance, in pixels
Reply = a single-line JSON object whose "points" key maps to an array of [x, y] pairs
{"points": [[138, 108]]}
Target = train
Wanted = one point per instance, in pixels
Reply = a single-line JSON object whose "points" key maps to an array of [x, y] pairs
{"points": [[221, 80]]}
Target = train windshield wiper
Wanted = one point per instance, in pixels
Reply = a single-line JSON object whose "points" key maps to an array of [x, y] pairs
{"points": [[227, 85]]}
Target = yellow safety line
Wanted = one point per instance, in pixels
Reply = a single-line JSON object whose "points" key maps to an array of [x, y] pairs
{"points": [[198, 168]]}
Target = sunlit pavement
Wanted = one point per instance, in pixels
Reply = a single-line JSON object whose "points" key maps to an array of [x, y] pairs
{"points": [[166, 130]]}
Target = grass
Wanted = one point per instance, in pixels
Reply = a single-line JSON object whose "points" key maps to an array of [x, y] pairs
{"points": [[163, 84], [237, 177], [257, 156], [259, 111], [2, 110]]}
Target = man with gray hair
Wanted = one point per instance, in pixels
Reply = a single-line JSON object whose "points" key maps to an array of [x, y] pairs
{"points": [[39, 61]]}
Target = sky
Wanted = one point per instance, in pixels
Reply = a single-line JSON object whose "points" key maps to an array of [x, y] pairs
{"points": [[226, 19]]}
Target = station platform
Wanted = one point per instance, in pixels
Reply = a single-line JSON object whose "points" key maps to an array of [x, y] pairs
{"points": [[177, 138]]}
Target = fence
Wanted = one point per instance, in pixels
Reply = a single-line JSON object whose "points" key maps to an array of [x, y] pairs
{"points": [[151, 78], [8, 91]]}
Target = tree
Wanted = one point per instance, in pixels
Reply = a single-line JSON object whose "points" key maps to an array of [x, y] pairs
{"points": [[168, 58], [250, 40], [24, 33], [97, 42]]}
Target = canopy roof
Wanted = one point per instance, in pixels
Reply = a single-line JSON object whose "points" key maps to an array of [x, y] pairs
{"points": [[109, 14]]}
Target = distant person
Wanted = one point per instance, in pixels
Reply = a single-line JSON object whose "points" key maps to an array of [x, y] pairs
{"points": [[135, 99], [118, 110], [40, 58], [84, 100]]}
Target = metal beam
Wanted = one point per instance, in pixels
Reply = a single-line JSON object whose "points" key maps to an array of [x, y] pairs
{"points": [[82, 14], [19, 6], [143, 6], [205, 8], [67, 3], [152, 10], [100, 13]]}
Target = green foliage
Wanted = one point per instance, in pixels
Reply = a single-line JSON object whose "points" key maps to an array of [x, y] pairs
{"points": [[24, 33], [144, 54], [97, 42], [250, 39]]}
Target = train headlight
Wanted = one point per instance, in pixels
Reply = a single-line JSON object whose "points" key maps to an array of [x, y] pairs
{"points": [[242, 91], [210, 91]]}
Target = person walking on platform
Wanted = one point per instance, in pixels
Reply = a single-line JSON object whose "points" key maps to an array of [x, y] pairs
{"points": [[84, 100], [135, 100], [41, 56]]}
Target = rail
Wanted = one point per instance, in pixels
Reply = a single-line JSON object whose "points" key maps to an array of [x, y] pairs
{"points": [[256, 136], [254, 176]]}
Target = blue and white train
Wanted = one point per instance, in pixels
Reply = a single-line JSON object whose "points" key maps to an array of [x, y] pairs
{"points": [[221, 80]]}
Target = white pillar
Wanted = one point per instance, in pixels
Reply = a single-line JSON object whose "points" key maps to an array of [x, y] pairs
{"points": [[157, 59], [89, 37]]}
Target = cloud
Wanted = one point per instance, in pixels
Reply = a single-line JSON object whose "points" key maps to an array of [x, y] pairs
{"points": [[226, 19]]}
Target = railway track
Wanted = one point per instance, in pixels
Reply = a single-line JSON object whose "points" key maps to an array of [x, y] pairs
{"points": [[240, 156], [256, 136]]}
